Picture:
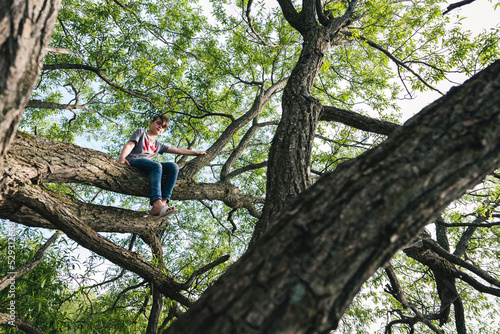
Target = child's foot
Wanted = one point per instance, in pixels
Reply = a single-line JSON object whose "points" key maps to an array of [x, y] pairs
{"points": [[157, 207]]}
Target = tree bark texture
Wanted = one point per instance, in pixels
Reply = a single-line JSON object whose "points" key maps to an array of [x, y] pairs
{"points": [[358, 121], [25, 30], [303, 273]]}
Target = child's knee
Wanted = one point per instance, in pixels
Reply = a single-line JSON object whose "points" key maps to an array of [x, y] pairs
{"points": [[156, 165], [173, 167]]}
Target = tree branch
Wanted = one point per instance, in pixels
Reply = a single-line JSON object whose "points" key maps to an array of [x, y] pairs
{"points": [[252, 28], [224, 174], [477, 285], [195, 165], [431, 244], [38, 200], [398, 293], [322, 18], [58, 51], [155, 313], [394, 59], [39, 160], [457, 5], [245, 169], [19, 323], [358, 121], [337, 24], [99, 218], [123, 292], [475, 223], [203, 270], [50, 67], [53, 105], [291, 15]]}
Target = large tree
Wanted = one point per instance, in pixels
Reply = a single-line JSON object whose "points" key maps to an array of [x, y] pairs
{"points": [[271, 98]]}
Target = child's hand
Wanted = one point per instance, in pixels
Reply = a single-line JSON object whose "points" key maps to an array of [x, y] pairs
{"points": [[201, 152], [124, 161]]}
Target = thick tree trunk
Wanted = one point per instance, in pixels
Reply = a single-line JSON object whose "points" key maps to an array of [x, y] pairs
{"points": [[305, 270], [25, 30], [289, 162], [288, 171]]}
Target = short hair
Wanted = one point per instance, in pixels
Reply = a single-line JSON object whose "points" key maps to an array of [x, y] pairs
{"points": [[164, 121]]}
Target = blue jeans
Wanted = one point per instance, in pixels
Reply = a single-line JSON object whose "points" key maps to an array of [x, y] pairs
{"points": [[162, 177]]}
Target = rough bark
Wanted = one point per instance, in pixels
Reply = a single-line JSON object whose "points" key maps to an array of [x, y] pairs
{"points": [[25, 30], [289, 159], [99, 218], [305, 270]]}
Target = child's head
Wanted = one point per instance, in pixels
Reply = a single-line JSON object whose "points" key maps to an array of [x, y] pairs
{"points": [[163, 120]]}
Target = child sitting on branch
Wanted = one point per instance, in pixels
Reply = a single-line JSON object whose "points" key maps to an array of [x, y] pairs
{"points": [[139, 152]]}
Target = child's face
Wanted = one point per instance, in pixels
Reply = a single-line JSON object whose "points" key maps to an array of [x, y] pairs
{"points": [[157, 126]]}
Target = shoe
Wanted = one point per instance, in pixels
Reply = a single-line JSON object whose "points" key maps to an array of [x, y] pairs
{"points": [[167, 211]]}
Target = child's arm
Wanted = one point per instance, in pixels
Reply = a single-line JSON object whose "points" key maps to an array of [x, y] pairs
{"points": [[126, 151], [183, 151]]}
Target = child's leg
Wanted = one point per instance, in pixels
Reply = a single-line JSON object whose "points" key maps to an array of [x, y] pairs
{"points": [[154, 171], [170, 171]]}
